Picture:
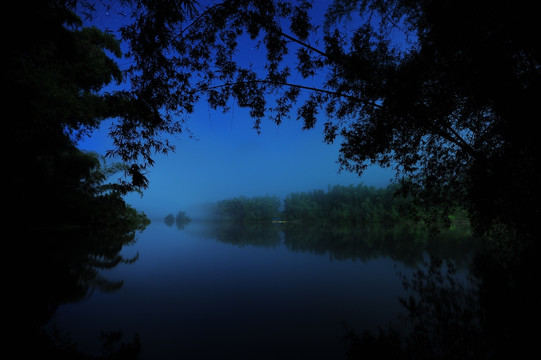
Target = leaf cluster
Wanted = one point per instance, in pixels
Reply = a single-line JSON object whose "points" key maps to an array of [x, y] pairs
{"points": [[443, 92], [56, 72]]}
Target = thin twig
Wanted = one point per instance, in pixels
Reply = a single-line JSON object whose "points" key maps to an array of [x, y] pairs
{"points": [[263, 81]]}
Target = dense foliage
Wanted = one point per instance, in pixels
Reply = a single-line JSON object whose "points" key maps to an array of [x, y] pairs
{"points": [[453, 110], [66, 249], [450, 107], [345, 222], [347, 205], [341, 205], [56, 71], [248, 210], [69, 218]]}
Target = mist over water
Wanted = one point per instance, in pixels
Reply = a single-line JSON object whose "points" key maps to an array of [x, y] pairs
{"points": [[245, 289], [227, 158], [273, 253], [193, 293]]}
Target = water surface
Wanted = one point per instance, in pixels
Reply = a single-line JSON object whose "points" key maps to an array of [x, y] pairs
{"points": [[198, 293]]}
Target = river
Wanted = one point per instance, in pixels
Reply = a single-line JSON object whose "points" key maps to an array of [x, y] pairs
{"points": [[196, 293]]}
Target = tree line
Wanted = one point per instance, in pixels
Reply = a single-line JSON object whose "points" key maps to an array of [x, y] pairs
{"points": [[452, 110], [451, 115], [248, 209], [340, 205], [448, 108], [429, 107], [347, 205]]}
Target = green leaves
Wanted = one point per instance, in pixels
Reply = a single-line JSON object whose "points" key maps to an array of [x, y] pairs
{"points": [[347, 205]]}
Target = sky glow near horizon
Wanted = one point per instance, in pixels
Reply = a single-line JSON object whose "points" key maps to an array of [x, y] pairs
{"points": [[228, 158]]}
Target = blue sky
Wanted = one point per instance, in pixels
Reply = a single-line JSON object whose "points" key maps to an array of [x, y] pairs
{"points": [[230, 159]]}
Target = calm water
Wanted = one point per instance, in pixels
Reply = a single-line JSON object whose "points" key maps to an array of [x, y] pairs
{"points": [[199, 294]]}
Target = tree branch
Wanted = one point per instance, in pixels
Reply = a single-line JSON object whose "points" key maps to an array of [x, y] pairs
{"points": [[459, 140], [308, 46], [203, 14], [263, 81]]}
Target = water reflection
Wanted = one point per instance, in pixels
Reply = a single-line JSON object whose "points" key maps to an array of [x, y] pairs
{"points": [[472, 298], [403, 243], [181, 220], [442, 320], [447, 315], [64, 266], [266, 236], [491, 314]]}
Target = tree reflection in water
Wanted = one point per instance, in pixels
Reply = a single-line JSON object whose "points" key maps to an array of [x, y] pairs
{"points": [[449, 315], [403, 243], [442, 311], [64, 264], [488, 315]]}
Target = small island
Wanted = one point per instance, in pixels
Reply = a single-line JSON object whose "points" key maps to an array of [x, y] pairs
{"points": [[181, 220]]}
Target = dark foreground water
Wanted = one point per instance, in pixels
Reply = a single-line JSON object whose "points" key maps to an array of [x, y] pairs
{"points": [[197, 293]]}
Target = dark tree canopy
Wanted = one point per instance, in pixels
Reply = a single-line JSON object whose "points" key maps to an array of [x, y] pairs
{"points": [[56, 69], [69, 222], [442, 91]]}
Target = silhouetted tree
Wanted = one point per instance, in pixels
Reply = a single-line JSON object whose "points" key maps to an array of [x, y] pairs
{"points": [[349, 205], [443, 91], [450, 107], [70, 221], [182, 219], [56, 72], [169, 220]]}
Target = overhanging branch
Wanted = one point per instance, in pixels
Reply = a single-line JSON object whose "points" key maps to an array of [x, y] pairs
{"points": [[286, 84], [308, 46]]}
